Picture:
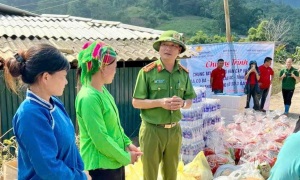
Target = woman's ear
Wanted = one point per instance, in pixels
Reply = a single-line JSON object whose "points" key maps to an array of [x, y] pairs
{"points": [[44, 77]]}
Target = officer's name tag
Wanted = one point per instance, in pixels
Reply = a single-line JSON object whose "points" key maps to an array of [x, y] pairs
{"points": [[159, 81]]}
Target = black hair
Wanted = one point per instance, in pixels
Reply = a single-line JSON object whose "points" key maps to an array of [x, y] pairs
{"points": [[220, 60], [78, 75], [35, 61], [256, 67], [267, 59]]}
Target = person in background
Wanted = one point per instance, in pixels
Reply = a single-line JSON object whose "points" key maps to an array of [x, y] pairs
{"points": [[288, 76], [162, 88], [43, 129], [104, 147], [217, 76], [252, 77], [266, 77], [287, 165]]}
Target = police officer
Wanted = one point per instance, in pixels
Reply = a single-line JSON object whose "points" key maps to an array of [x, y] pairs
{"points": [[162, 88]]}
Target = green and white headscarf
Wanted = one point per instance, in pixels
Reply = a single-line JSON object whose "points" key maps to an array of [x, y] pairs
{"points": [[94, 56]]}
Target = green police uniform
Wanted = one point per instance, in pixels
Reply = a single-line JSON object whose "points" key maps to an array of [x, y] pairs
{"points": [[160, 142]]}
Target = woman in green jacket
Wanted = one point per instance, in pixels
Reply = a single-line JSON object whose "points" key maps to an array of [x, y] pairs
{"points": [[104, 147]]}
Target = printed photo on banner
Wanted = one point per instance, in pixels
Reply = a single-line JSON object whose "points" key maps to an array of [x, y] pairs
{"points": [[236, 58]]}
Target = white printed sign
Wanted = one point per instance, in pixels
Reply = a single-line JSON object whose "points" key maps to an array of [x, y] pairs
{"points": [[236, 62]]}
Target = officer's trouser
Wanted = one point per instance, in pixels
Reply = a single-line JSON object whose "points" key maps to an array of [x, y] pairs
{"points": [[159, 144]]}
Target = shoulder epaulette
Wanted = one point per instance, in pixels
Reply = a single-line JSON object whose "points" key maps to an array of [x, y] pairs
{"points": [[149, 67], [184, 68]]}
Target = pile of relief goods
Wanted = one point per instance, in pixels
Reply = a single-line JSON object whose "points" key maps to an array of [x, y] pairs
{"points": [[198, 169], [253, 141], [212, 149], [197, 124], [248, 143]]}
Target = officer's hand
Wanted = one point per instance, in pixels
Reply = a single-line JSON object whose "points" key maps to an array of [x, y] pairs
{"points": [[176, 103], [166, 103]]}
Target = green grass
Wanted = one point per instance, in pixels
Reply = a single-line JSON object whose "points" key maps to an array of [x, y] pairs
{"points": [[189, 25]]}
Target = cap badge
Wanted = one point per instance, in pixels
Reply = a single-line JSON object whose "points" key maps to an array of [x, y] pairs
{"points": [[176, 36]]}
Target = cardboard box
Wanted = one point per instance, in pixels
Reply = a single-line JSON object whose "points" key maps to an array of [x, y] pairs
{"points": [[232, 101], [10, 170]]}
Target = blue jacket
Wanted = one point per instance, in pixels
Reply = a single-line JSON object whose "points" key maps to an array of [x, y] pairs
{"points": [[46, 141]]}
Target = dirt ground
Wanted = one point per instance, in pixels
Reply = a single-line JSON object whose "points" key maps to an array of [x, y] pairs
{"points": [[276, 103]]}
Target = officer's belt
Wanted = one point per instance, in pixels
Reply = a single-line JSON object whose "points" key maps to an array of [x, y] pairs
{"points": [[167, 126]]}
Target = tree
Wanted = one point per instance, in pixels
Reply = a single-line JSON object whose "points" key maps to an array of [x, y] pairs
{"points": [[101, 9], [257, 34], [29, 5], [79, 9], [202, 38], [276, 31], [270, 30], [170, 6], [52, 7], [239, 15], [199, 38]]}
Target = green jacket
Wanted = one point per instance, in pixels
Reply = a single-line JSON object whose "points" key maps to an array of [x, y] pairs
{"points": [[102, 139], [289, 82], [155, 82]]}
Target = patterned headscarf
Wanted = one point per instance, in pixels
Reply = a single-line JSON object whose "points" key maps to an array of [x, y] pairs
{"points": [[94, 56]]}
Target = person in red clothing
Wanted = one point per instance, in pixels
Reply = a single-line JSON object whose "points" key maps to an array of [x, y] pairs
{"points": [[252, 77], [266, 76], [216, 77]]}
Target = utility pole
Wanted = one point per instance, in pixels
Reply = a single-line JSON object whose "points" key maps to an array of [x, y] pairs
{"points": [[228, 37], [227, 21]]}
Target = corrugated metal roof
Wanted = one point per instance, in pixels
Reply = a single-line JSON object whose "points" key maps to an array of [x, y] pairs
{"points": [[72, 26], [128, 50], [69, 33]]}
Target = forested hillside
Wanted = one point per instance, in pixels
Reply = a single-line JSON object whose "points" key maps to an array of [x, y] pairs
{"points": [[293, 3], [202, 21]]}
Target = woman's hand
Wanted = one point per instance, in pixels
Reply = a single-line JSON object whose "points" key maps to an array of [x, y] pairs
{"points": [[135, 156], [88, 175], [135, 153], [132, 147]]}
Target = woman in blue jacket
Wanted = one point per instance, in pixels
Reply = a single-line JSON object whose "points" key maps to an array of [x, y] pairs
{"points": [[43, 129]]}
